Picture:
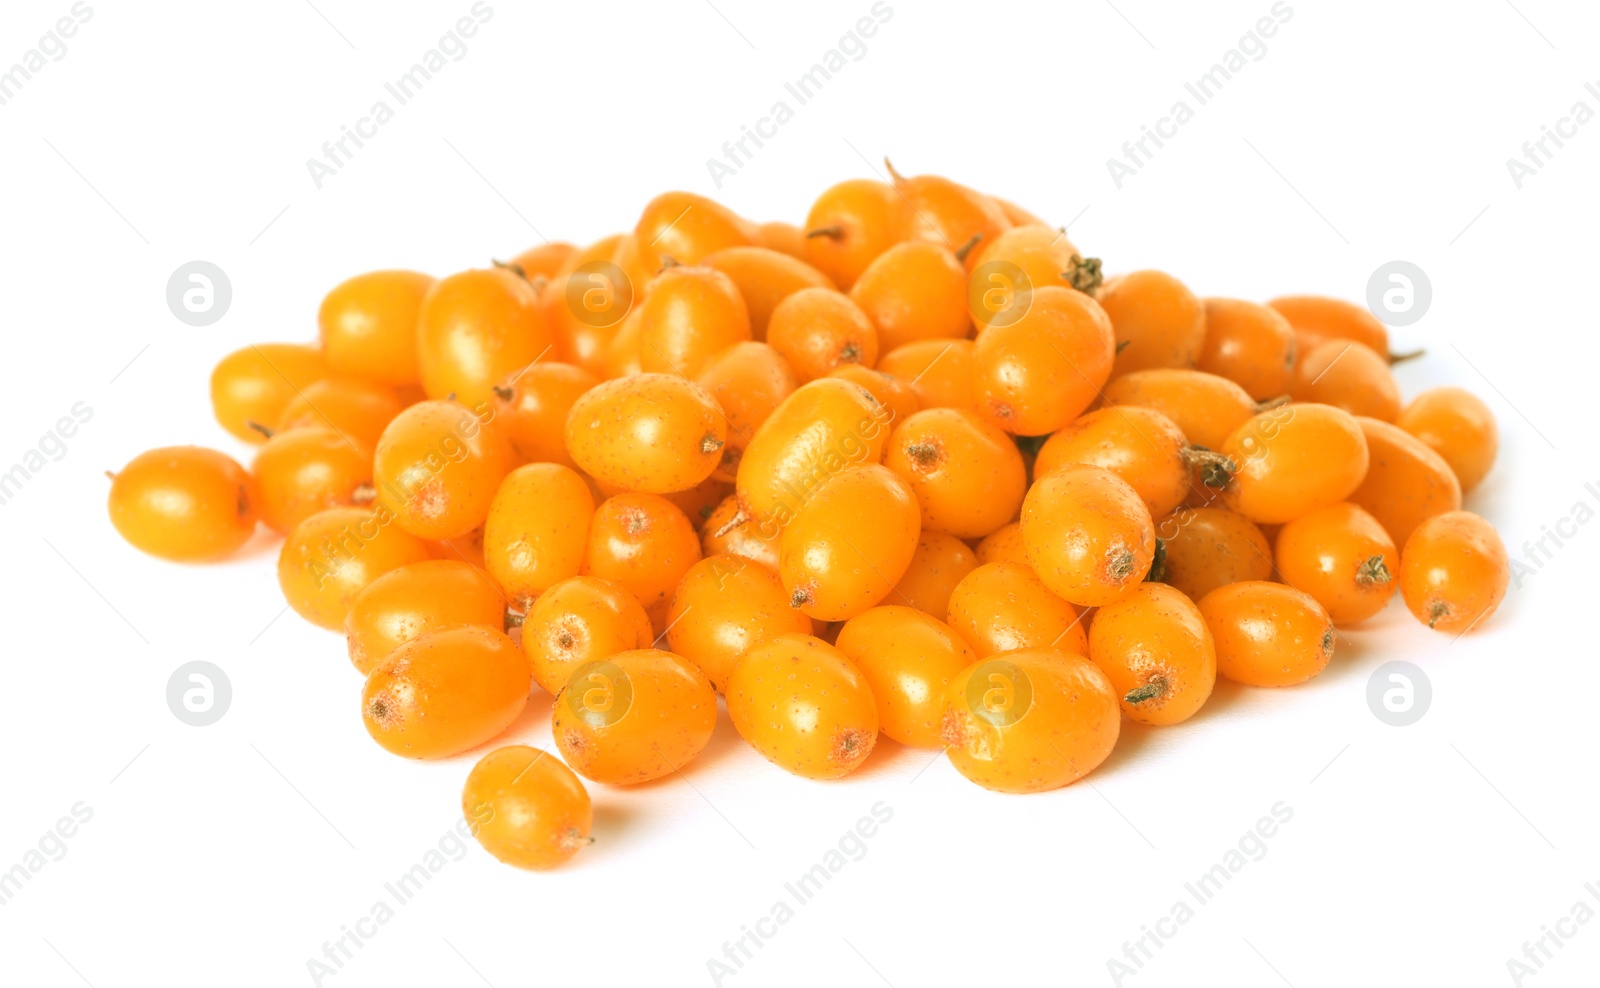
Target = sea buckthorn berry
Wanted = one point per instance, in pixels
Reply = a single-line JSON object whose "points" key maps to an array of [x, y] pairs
{"points": [[1030, 721], [1155, 648], [1207, 408], [909, 660], [1140, 445], [1290, 461], [1016, 214], [476, 329], [914, 291], [655, 433], [1317, 319], [437, 466], [446, 691], [765, 278], [824, 428], [1454, 571], [730, 530], [533, 407], [686, 227], [356, 409], [1406, 482], [852, 223], [1341, 556], [580, 621], [1005, 545], [369, 326], [1347, 375], [644, 543], [253, 384], [691, 315], [544, 261], [949, 213], [939, 564], [1267, 634], [1207, 548], [332, 556], [527, 809], [819, 329], [303, 471], [634, 717], [849, 544], [1089, 536], [938, 372], [748, 381], [1158, 321], [466, 548], [723, 605], [185, 503], [698, 502], [1008, 269], [417, 598], [1250, 344], [589, 299], [892, 393], [537, 530], [621, 354], [1035, 375], [967, 475], [1002, 606], [785, 238], [1458, 426], [804, 705]]}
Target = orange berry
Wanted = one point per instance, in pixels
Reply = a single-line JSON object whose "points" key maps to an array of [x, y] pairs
{"points": [[914, 291], [722, 606], [1317, 319], [537, 530], [967, 475], [1158, 321], [852, 223], [804, 706], [1406, 482], [908, 660], [729, 530], [579, 621], [949, 213], [1458, 426], [1036, 374], [1290, 461], [417, 598], [254, 384], [634, 716], [369, 326], [1454, 571], [356, 409], [1017, 215], [765, 278], [533, 407], [822, 429], [1250, 344], [1008, 269], [1207, 548], [686, 227], [1267, 634], [303, 471], [749, 381], [645, 543], [890, 392], [466, 548], [849, 544], [590, 298], [1155, 648], [1002, 606], [1030, 721], [543, 261], [527, 809], [938, 372], [475, 330], [1207, 408], [437, 466], [691, 315], [1140, 445], [1341, 556], [939, 564], [184, 503], [1089, 536], [785, 238], [1347, 375], [445, 692], [331, 557], [819, 329], [699, 501], [1005, 545], [651, 432]]}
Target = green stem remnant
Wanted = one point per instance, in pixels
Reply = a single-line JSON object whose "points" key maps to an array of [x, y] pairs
{"points": [[1155, 688], [1158, 564], [513, 619], [1084, 275], [258, 427], [504, 394], [835, 232], [1216, 469], [1373, 571], [1396, 358], [511, 266], [966, 248]]}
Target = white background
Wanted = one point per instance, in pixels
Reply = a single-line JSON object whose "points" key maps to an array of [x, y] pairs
{"points": [[1369, 131]]}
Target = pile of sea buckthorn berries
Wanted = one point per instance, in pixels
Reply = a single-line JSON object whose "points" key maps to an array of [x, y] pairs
{"points": [[912, 469]]}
